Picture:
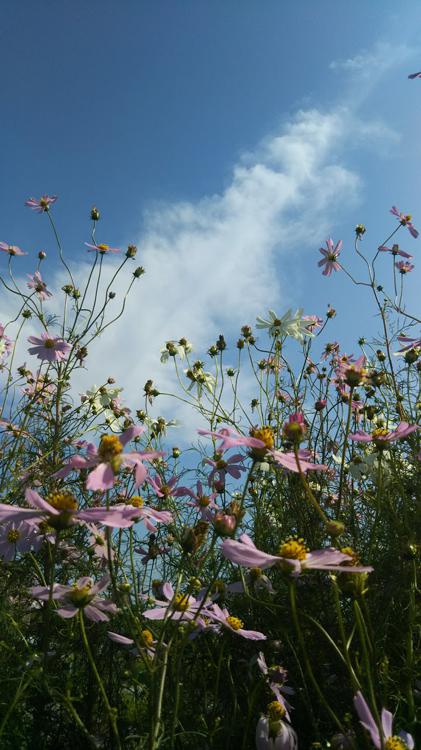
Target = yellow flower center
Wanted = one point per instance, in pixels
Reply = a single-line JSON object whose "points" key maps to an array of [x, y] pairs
{"points": [[293, 549], [255, 574], [331, 256], [379, 433], [203, 500], [13, 535], [275, 710], [395, 743], [355, 560], [43, 203], [80, 597], [147, 638], [62, 500], [49, 343], [103, 248], [180, 602], [109, 450], [221, 464], [265, 434], [136, 501], [408, 217], [235, 623]]}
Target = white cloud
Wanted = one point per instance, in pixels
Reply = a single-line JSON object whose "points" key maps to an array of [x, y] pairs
{"points": [[376, 61], [214, 265]]}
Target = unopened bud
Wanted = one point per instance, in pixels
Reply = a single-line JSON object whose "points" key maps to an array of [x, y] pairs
{"points": [[139, 271], [95, 215], [42, 254], [131, 251]]}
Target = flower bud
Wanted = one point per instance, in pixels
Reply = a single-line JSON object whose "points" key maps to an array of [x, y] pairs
{"points": [[131, 251], [42, 254], [95, 215], [360, 230], [139, 271], [111, 295]]}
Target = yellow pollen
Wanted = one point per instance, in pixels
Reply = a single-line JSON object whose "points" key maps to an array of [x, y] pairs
{"points": [[255, 574], [379, 433], [103, 248], [43, 203], [395, 743], [147, 638], [408, 217], [275, 710], [293, 549], [136, 500], [180, 602], [80, 597], [331, 256], [235, 623], [109, 448], [49, 343], [13, 535], [352, 554], [62, 500], [203, 500], [265, 434]]}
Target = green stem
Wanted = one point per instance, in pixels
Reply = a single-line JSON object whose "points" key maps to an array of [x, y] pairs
{"points": [[112, 712]]}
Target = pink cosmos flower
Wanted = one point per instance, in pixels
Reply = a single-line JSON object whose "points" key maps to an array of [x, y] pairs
{"points": [[230, 438], [174, 606], [351, 373], [108, 458], [313, 321], [147, 514], [202, 502], [146, 642], [40, 287], [294, 556], [409, 344], [221, 467], [276, 677], [234, 624], [16, 537], [82, 595], [41, 204], [165, 489], [11, 249], [366, 718], [102, 249], [414, 75], [60, 511], [395, 250], [330, 259], [288, 461], [405, 220], [51, 348], [382, 437], [404, 267]]}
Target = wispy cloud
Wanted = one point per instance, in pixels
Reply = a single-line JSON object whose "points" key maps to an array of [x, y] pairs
{"points": [[215, 264], [376, 61]]}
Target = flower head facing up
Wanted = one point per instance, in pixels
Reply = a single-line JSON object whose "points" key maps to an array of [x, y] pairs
{"points": [[40, 205], [48, 347], [102, 249], [234, 624], [38, 285], [405, 220], [293, 556], [381, 437], [330, 257], [82, 595], [11, 249], [389, 741]]}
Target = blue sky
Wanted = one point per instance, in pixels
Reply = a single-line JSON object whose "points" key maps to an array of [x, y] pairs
{"points": [[226, 139]]}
